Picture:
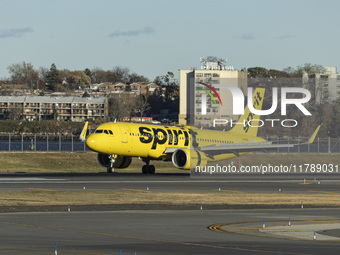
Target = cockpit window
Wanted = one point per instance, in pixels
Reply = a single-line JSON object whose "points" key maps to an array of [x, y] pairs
{"points": [[105, 131]]}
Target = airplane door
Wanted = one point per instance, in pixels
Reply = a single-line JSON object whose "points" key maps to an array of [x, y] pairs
{"points": [[124, 134]]}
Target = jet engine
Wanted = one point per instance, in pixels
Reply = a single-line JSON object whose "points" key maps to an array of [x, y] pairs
{"points": [[188, 159], [120, 161]]}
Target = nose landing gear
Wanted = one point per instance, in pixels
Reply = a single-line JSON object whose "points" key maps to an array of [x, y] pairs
{"points": [[110, 169]]}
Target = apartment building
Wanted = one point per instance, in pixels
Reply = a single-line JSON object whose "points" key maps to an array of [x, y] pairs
{"points": [[60, 108], [323, 86]]}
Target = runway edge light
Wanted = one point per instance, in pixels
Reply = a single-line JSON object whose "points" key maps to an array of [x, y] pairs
{"points": [[264, 224], [301, 204], [290, 221], [55, 250]]}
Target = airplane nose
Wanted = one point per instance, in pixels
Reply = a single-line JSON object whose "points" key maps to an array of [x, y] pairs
{"points": [[91, 143]]}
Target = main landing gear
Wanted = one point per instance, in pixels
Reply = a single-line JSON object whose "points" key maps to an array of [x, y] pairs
{"points": [[148, 169], [110, 168]]}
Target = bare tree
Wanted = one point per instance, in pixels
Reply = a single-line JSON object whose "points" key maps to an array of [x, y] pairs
{"points": [[142, 106], [24, 73], [121, 105]]}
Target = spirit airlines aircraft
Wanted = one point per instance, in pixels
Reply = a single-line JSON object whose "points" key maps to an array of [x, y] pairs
{"points": [[187, 147]]}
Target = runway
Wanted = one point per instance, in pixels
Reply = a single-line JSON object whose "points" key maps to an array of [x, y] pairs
{"points": [[171, 231], [156, 232], [293, 183]]}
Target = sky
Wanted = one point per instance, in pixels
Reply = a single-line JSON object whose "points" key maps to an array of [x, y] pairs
{"points": [[154, 37]]}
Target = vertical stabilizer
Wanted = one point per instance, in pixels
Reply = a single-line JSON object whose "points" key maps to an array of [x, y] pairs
{"points": [[248, 123]]}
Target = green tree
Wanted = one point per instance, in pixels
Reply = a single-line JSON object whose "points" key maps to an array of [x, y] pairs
{"points": [[257, 72], [86, 94], [53, 77], [88, 73]]}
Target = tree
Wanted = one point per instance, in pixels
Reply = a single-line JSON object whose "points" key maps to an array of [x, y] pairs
{"points": [[86, 94], [77, 79], [306, 68], [88, 73], [171, 86], [24, 73], [142, 106], [121, 105], [136, 78], [257, 72], [119, 74], [53, 77]]}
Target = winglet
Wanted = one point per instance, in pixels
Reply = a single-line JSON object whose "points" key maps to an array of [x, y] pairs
{"points": [[82, 136], [312, 138]]}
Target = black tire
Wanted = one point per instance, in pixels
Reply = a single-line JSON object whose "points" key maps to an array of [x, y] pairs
{"points": [[152, 169], [145, 169], [109, 170]]}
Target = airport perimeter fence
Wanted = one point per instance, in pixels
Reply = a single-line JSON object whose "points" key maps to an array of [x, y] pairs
{"points": [[31, 142], [35, 142]]}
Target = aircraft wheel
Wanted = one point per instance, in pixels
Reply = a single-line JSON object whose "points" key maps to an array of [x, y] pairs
{"points": [[145, 169], [109, 170], [152, 169]]}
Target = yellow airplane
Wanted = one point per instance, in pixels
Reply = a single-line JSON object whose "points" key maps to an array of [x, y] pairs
{"points": [[187, 147]]}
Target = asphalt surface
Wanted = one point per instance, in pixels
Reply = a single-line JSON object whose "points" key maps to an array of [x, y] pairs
{"points": [[168, 230], [158, 232], [293, 183]]}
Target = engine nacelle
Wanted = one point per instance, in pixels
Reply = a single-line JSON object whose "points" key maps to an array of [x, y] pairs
{"points": [[188, 159], [120, 161]]}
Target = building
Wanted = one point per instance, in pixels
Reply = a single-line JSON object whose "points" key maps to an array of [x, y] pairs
{"points": [[323, 86], [193, 92], [120, 87], [60, 108]]}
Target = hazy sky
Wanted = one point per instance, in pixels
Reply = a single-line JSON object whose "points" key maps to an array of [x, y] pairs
{"points": [[153, 37]]}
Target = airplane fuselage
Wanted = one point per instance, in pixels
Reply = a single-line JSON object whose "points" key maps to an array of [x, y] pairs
{"points": [[151, 141]]}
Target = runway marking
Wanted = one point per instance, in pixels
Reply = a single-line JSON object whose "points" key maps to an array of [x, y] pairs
{"points": [[324, 192], [321, 221], [218, 228], [305, 183], [49, 251], [138, 190], [235, 191], [149, 239], [42, 189]]}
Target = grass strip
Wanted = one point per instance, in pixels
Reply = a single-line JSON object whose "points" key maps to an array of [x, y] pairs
{"points": [[43, 198]]}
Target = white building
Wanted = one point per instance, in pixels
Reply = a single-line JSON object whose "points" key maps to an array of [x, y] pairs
{"points": [[323, 86], [193, 91]]}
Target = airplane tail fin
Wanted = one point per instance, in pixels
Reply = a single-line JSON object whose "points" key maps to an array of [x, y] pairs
{"points": [[82, 136], [248, 123]]}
